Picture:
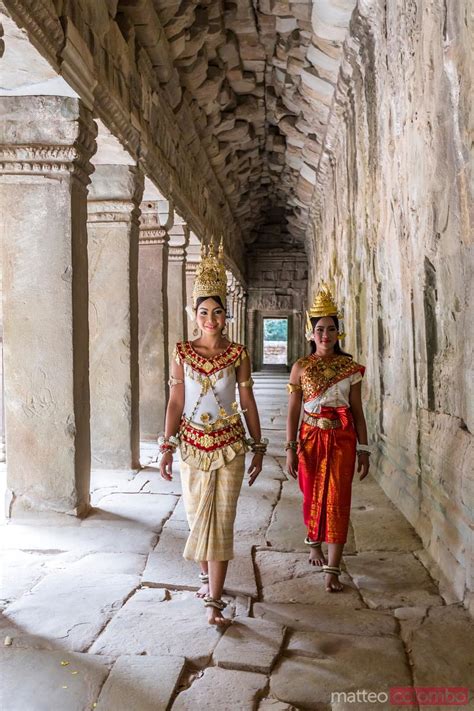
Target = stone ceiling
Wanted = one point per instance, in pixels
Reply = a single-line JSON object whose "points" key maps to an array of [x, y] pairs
{"points": [[259, 78]]}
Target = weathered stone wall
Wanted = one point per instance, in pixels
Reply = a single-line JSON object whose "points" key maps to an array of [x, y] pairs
{"points": [[391, 220]]}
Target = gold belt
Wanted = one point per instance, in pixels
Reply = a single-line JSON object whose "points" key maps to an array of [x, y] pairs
{"points": [[324, 423]]}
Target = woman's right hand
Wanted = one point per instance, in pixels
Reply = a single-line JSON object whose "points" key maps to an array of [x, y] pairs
{"points": [[166, 466], [292, 463]]}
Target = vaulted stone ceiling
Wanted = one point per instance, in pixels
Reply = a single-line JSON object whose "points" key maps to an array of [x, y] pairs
{"points": [[259, 79]]}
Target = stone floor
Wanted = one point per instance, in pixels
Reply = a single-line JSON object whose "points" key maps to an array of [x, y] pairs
{"points": [[101, 613]]}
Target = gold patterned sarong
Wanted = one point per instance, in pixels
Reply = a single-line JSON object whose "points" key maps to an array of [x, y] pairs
{"points": [[210, 501]]}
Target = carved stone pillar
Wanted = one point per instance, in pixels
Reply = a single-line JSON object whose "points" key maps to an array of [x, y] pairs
{"points": [[113, 212], [47, 142], [231, 327], [193, 256], [153, 321], [242, 308], [177, 318]]}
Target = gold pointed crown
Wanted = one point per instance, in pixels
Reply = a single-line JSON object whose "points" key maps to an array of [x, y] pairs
{"points": [[324, 304], [211, 278]]}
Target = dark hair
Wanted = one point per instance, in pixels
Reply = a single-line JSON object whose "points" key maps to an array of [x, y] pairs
{"points": [[337, 347], [205, 298]]}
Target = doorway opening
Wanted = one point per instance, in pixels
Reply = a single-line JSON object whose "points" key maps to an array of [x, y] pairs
{"points": [[275, 341]]}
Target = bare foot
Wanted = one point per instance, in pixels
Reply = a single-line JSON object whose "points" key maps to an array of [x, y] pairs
{"points": [[316, 556], [333, 584], [203, 590], [215, 617]]}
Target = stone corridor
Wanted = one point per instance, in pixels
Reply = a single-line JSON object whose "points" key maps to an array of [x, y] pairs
{"points": [[101, 613]]}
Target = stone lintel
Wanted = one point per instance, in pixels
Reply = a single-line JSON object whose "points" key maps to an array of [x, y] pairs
{"points": [[77, 65]]}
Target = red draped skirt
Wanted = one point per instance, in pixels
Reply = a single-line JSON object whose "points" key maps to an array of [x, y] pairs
{"points": [[326, 463]]}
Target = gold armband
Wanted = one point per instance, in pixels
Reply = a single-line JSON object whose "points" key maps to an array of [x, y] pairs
{"points": [[293, 388], [246, 383], [175, 381]]}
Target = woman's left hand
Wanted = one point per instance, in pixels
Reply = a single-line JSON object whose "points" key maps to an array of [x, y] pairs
{"points": [[363, 464], [256, 467]]}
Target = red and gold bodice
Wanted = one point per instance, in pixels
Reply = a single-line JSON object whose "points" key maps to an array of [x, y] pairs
{"points": [[211, 431], [327, 381]]}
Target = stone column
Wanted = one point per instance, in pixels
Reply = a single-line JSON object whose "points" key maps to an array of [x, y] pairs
{"points": [[46, 143], [231, 327], [113, 227], [153, 321], [243, 315], [177, 318], [190, 276]]}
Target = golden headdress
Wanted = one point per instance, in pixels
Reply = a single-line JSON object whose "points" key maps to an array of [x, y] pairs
{"points": [[211, 277], [323, 305]]}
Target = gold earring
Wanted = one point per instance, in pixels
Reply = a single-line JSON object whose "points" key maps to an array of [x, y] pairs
{"points": [[224, 331], [341, 335], [195, 331]]}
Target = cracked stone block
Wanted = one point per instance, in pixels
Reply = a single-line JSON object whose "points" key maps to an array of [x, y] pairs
{"points": [[20, 572], [440, 648], [390, 580], [142, 683], [150, 623], [288, 577], [324, 663], [143, 510], [72, 606], [35, 680], [222, 689], [104, 481], [287, 530], [150, 481], [327, 619], [270, 704], [249, 645]]}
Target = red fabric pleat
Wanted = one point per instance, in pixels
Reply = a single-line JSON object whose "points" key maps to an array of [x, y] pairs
{"points": [[326, 462]]}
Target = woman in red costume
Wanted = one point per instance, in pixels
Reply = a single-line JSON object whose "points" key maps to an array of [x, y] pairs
{"points": [[333, 433]]}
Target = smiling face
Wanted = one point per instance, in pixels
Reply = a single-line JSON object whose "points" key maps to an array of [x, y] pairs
{"points": [[210, 317], [325, 335]]}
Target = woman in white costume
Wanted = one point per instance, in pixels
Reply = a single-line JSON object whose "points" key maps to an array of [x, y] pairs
{"points": [[203, 421]]}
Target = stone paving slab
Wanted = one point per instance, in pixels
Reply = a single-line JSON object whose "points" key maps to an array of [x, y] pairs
{"points": [[72, 606], [20, 572], [255, 508], [369, 493], [393, 532], [80, 539], [240, 578], [328, 663], [148, 511], [34, 680], [141, 683], [327, 618], [390, 580], [441, 648], [288, 577], [150, 623], [166, 566], [250, 645], [224, 690], [287, 530]]}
